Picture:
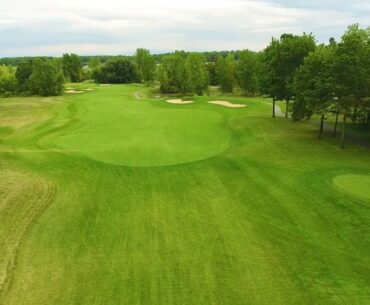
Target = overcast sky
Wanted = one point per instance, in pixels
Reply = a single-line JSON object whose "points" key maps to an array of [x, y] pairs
{"points": [[52, 27]]}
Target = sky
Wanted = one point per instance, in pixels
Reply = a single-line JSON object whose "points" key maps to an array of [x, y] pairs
{"points": [[92, 27]]}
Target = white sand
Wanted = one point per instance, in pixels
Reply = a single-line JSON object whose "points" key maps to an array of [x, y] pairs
{"points": [[73, 91], [227, 104], [179, 101], [88, 89]]}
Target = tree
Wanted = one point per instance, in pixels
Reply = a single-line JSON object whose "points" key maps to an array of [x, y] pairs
{"points": [[117, 71], [8, 81], [247, 71], [225, 69], [352, 72], [47, 77], [72, 67], [176, 73], [183, 73], [94, 63], [212, 75], [163, 78], [23, 73], [146, 65], [198, 81], [268, 83], [282, 59], [314, 85]]}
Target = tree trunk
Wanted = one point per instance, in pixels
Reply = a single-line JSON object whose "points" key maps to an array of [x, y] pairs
{"points": [[286, 109], [321, 126], [336, 124], [343, 129], [273, 107]]}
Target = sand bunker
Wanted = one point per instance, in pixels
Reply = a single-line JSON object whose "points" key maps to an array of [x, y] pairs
{"points": [[104, 85], [179, 101], [88, 89], [69, 88], [227, 104], [73, 91]]}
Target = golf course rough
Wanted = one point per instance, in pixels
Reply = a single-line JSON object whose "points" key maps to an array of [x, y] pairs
{"points": [[245, 223]]}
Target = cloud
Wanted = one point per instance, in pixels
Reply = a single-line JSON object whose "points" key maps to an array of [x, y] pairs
{"points": [[52, 27]]}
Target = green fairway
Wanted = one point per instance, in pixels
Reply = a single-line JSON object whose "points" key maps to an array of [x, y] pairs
{"points": [[115, 196]]}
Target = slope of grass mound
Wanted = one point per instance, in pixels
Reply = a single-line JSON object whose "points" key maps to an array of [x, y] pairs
{"points": [[23, 198], [357, 185]]}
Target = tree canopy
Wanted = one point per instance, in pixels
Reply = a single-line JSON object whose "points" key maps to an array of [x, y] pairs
{"points": [[117, 71], [146, 65], [183, 73], [46, 78], [72, 66]]}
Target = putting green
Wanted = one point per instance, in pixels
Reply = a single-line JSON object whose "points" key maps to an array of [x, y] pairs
{"points": [[118, 129], [358, 185]]}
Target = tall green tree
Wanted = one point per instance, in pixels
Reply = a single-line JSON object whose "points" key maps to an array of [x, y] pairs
{"points": [[283, 57], [163, 78], [198, 78], [183, 73], [47, 77], [212, 74], [146, 65], [247, 71], [94, 63], [268, 84], [8, 81], [72, 66], [23, 74], [314, 84], [352, 72], [176, 73], [226, 72]]}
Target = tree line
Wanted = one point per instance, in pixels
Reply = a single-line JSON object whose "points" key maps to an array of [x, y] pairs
{"points": [[324, 79]]}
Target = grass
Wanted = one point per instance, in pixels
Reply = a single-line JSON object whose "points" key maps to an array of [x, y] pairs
{"points": [[109, 199], [357, 185], [131, 133]]}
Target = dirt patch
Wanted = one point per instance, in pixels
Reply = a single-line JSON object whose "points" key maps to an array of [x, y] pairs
{"points": [[179, 101], [227, 104], [73, 91]]}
